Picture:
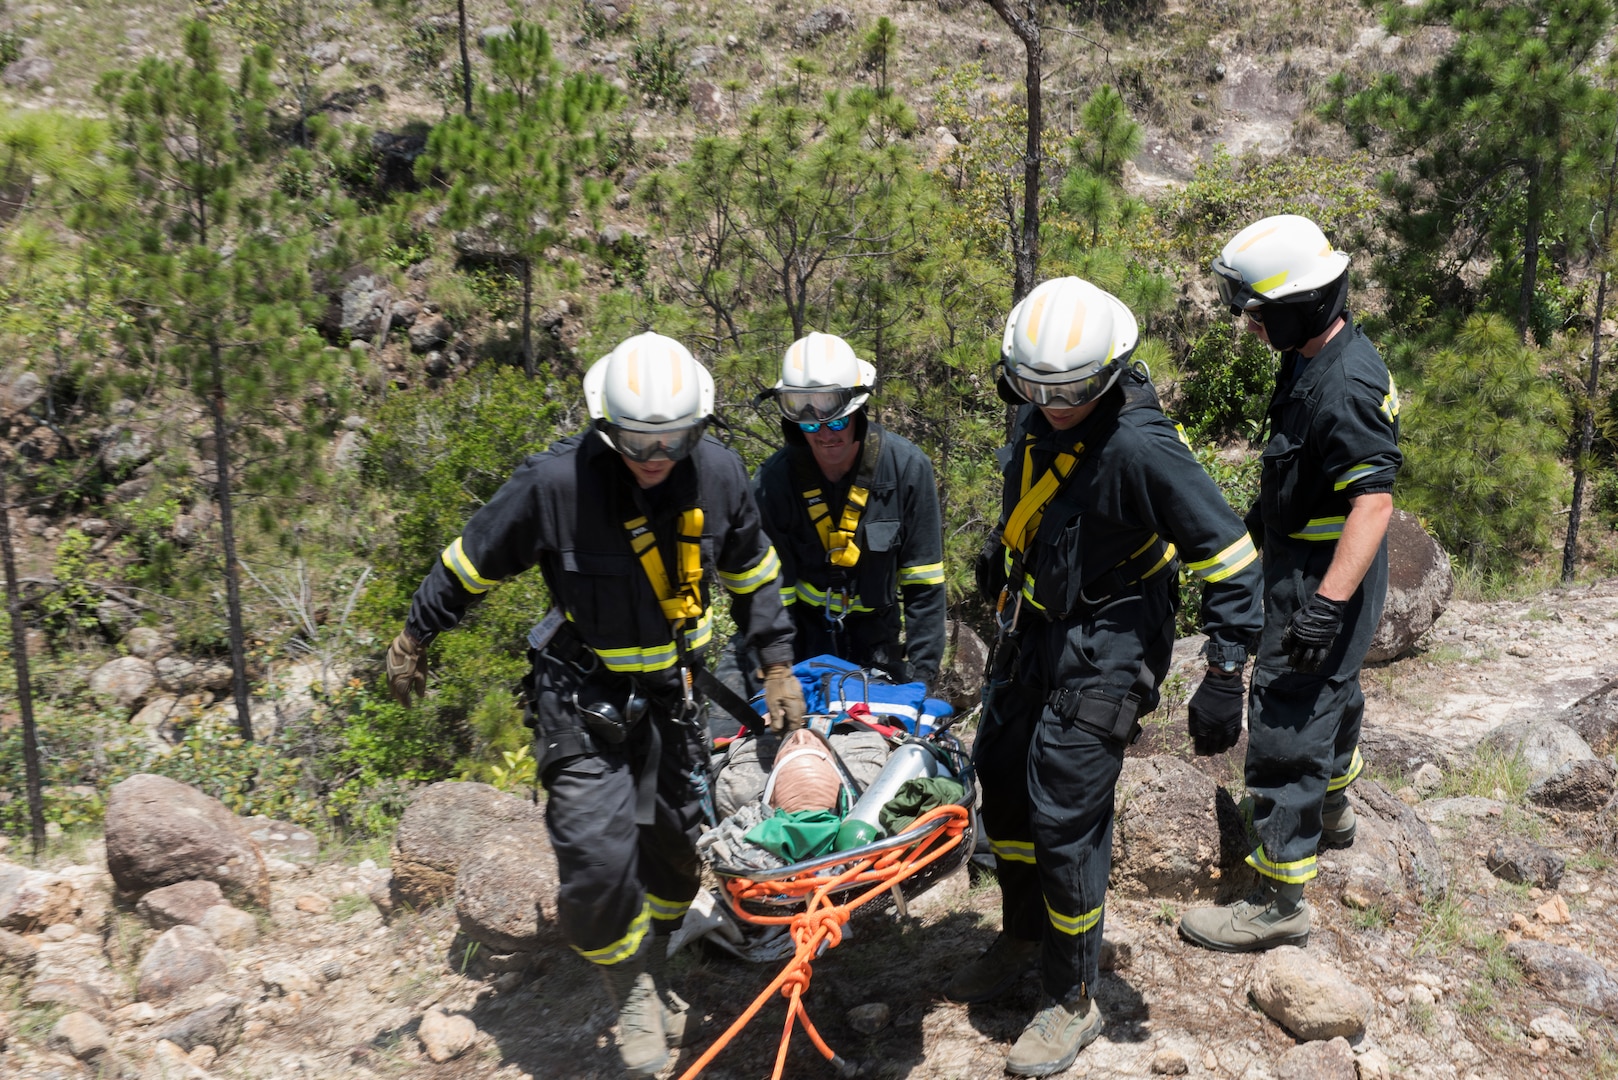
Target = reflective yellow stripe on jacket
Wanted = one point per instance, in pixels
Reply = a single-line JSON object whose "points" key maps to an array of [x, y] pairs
{"points": [[657, 657], [1327, 528], [455, 558], [749, 580], [1227, 562], [921, 574]]}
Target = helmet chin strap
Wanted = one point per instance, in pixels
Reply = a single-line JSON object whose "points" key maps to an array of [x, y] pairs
{"points": [[1289, 326]]}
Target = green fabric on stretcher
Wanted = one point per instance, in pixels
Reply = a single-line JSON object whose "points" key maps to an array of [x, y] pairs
{"points": [[796, 835], [914, 798]]}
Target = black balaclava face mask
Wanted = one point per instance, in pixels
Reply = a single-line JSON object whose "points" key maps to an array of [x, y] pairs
{"points": [[1290, 325]]}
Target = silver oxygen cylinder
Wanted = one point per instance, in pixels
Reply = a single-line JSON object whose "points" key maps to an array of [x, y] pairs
{"points": [[909, 762]]}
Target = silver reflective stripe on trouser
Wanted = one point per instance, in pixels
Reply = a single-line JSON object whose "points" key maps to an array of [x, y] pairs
{"points": [[1020, 851], [1073, 925]]}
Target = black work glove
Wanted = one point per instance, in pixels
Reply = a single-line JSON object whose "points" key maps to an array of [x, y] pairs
{"points": [[1309, 636], [1215, 712]]}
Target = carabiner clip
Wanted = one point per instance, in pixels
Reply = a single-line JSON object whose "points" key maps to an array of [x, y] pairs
{"points": [[1005, 627]]}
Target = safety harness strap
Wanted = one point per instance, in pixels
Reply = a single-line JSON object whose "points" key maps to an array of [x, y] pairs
{"points": [[838, 542], [686, 601]]}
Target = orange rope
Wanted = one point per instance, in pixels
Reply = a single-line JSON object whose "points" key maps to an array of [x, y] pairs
{"points": [[822, 921]]}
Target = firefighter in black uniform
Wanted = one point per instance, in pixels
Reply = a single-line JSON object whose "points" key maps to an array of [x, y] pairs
{"points": [[628, 523], [1325, 498], [853, 512], [1102, 501]]}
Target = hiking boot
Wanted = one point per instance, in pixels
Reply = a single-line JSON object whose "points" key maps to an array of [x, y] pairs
{"points": [[1275, 915], [1337, 824], [1005, 961], [1055, 1036], [681, 1027], [640, 1012]]}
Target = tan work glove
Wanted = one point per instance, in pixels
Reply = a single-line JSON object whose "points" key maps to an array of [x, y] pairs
{"points": [[407, 668], [784, 696]]}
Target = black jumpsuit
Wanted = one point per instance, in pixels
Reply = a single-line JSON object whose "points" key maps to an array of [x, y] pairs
{"points": [[623, 818], [1334, 428], [901, 560], [1091, 646]]}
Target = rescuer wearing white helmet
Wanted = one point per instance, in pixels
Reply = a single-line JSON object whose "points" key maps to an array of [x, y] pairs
{"points": [[1325, 498], [853, 511], [618, 519], [1102, 503]]}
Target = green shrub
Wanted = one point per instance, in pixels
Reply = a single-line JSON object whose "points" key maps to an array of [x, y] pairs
{"points": [[658, 72], [1230, 376]]}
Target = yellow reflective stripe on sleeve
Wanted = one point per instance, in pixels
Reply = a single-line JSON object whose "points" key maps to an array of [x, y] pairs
{"points": [[922, 574], [1013, 850], [455, 559], [749, 580], [1358, 472], [817, 598], [667, 910], [625, 946], [789, 593], [1073, 925], [1355, 766], [1330, 528], [1169, 552], [1294, 873], [1235, 557], [1390, 402], [657, 657]]}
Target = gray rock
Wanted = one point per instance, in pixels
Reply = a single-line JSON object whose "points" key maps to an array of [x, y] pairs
{"points": [[608, 12], [145, 643], [326, 53], [446, 1037], [74, 995], [364, 59], [1577, 785], [1393, 845], [17, 954], [401, 314], [30, 71], [1420, 584], [870, 1018], [1544, 745], [160, 831], [1567, 975], [828, 20], [124, 448], [961, 681], [127, 680], [1461, 808], [20, 392], [1306, 997], [1526, 863], [181, 904], [31, 900], [429, 333], [185, 956], [1395, 752], [1555, 1026], [505, 894], [1595, 718], [164, 719], [286, 978], [218, 1025], [1175, 836], [443, 825], [115, 617], [293, 843], [229, 927], [362, 307], [494, 33], [1330, 1060], [80, 1034]]}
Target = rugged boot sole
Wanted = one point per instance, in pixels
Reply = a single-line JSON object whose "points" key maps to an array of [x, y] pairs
{"points": [[1250, 926], [1089, 1030], [994, 973]]}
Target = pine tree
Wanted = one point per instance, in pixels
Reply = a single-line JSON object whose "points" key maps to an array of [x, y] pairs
{"points": [[1501, 132], [217, 276], [538, 150]]}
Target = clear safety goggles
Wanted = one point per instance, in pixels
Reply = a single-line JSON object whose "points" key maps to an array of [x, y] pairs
{"points": [[817, 403], [637, 445], [1060, 393], [1234, 293]]}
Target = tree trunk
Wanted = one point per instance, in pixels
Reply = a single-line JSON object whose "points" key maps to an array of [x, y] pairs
{"points": [[1027, 266], [227, 535], [528, 365], [466, 60], [1592, 384], [1530, 249], [19, 664]]}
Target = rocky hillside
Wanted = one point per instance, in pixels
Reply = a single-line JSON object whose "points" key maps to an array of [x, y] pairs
{"points": [[1468, 933]]}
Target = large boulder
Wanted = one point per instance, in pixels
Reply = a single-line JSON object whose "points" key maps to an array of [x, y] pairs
{"points": [[31, 900], [1577, 785], [1567, 975], [505, 894], [445, 824], [1544, 746], [361, 307], [1394, 852], [1177, 834], [818, 24], [1420, 584], [961, 681], [182, 904], [160, 831]]}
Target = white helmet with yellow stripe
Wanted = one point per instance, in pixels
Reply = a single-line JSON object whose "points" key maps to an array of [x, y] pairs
{"points": [[650, 398], [822, 379], [1066, 343], [1283, 273]]}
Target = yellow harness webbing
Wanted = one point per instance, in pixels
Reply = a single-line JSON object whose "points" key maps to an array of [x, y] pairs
{"points": [[1030, 508], [686, 602], [838, 542]]}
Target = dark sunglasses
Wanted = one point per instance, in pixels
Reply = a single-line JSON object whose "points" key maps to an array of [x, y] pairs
{"points": [[809, 427]]}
